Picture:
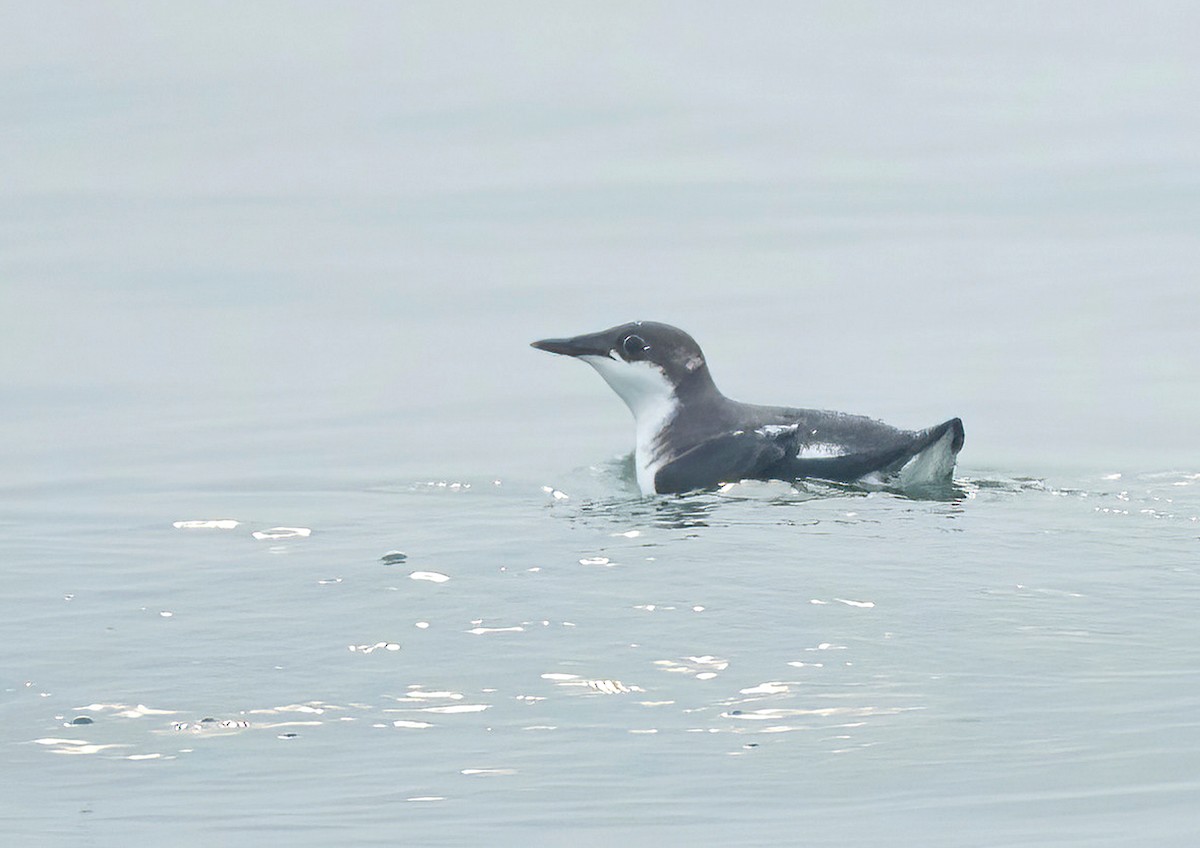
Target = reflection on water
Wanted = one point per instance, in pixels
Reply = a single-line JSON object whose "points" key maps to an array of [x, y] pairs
{"points": [[688, 698], [745, 502], [523, 640]]}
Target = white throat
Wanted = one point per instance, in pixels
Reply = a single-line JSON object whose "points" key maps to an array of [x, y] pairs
{"points": [[651, 398]]}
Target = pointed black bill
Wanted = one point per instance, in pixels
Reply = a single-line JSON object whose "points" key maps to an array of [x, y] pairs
{"points": [[593, 344]]}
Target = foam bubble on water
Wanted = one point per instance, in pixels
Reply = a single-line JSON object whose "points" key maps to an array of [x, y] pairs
{"points": [[431, 576], [208, 725], [366, 649], [862, 604], [423, 625], [446, 485], [85, 749], [416, 693], [282, 533], [426, 798], [611, 687], [457, 708], [602, 686], [206, 524], [415, 725], [313, 708], [773, 687], [488, 772], [142, 710], [702, 668], [480, 631]]}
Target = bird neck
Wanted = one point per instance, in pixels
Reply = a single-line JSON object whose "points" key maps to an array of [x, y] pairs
{"points": [[697, 385]]}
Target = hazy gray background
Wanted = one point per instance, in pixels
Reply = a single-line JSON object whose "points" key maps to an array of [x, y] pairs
{"points": [[907, 210], [281, 262]]}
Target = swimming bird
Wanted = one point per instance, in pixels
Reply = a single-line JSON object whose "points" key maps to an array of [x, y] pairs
{"points": [[690, 436]]}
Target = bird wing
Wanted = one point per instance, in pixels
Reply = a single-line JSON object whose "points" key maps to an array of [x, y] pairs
{"points": [[739, 455], [885, 450], [826, 446]]}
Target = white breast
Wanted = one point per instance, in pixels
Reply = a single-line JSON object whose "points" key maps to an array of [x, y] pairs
{"points": [[650, 396]]}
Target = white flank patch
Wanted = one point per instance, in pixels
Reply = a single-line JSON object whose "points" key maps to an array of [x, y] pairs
{"points": [[650, 397], [773, 430], [820, 450], [815, 450]]}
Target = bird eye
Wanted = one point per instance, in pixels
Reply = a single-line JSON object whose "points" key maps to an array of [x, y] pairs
{"points": [[634, 347]]}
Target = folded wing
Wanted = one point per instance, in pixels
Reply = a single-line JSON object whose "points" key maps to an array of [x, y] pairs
{"points": [[825, 446]]}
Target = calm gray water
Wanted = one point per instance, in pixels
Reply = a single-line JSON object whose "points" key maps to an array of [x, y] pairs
{"points": [[278, 267]]}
